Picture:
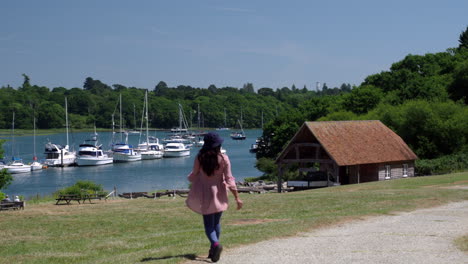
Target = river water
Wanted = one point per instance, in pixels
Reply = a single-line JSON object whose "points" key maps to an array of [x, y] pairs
{"points": [[140, 176]]}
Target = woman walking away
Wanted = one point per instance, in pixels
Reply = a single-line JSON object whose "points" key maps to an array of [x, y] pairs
{"points": [[211, 176]]}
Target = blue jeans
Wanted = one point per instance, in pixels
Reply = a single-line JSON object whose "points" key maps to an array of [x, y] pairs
{"points": [[212, 226]]}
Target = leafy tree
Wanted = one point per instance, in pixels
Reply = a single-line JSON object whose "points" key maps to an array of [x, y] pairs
{"points": [[362, 99], [96, 86], [266, 91], [2, 151], [26, 83], [248, 88], [458, 89], [50, 116], [212, 88], [276, 134], [339, 116], [5, 177], [463, 40], [316, 107]]}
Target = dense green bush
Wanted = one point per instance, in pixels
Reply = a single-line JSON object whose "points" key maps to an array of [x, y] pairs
{"points": [[81, 188], [446, 164]]}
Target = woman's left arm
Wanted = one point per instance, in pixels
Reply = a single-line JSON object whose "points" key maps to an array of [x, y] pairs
{"points": [[196, 169]]}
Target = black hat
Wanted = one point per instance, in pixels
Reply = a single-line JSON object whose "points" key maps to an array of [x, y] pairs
{"points": [[212, 140]]}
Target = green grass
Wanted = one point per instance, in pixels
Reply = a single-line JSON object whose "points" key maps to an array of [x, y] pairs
{"points": [[165, 231], [462, 243]]}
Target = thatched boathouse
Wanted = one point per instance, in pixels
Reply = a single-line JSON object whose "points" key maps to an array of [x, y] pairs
{"points": [[346, 152]]}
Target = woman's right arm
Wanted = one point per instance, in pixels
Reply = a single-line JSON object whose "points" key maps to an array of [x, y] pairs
{"points": [[231, 182]]}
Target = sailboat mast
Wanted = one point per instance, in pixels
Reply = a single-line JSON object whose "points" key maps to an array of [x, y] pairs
{"points": [[198, 116], [34, 133], [134, 116], [13, 135], [180, 117], [146, 117], [241, 121], [121, 138], [225, 117], [262, 119], [66, 117]]}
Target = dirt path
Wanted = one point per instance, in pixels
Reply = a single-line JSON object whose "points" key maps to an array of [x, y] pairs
{"points": [[422, 236]]}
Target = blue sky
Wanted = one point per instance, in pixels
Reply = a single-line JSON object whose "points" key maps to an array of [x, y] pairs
{"points": [[226, 43]]}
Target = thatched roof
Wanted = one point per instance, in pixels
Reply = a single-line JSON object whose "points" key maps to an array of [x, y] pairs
{"points": [[354, 142]]}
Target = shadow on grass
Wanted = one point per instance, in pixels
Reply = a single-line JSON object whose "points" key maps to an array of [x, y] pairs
{"points": [[187, 256]]}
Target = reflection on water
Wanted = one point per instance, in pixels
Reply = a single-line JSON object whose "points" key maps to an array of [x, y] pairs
{"points": [[147, 175]]}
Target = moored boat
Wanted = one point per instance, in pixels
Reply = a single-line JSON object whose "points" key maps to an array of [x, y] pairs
{"points": [[124, 153], [17, 166], [57, 155], [91, 154], [239, 135], [151, 149], [172, 150]]}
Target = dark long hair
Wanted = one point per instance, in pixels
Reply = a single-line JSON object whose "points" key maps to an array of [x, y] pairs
{"points": [[208, 159]]}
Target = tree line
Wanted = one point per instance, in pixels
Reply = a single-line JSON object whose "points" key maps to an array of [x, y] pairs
{"points": [[96, 103]]}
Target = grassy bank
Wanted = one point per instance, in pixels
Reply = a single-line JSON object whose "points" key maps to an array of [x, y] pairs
{"points": [[165, 231]]}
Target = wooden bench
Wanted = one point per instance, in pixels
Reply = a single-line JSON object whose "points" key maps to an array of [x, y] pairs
{"points": [[12, 205]]}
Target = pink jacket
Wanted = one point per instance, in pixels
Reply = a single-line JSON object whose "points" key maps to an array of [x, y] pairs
{"points": [[208, 194]]}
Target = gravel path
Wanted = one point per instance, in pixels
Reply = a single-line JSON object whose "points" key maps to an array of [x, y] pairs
{"points": [[422, 236]]}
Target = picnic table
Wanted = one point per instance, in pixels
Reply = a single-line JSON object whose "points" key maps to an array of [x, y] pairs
{"points": [[68, 198]]}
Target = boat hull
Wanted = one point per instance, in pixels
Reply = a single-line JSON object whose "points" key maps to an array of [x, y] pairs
{"points": [[93, 161], [121, 157], [60, 163], [18, 169], [149, 155], [36, 166], [176, 153]]}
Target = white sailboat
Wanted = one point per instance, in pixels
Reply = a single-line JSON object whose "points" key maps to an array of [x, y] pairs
{"points": [[123, 152], [151, 149], [16, 165], [58, 155], [182, 122]]}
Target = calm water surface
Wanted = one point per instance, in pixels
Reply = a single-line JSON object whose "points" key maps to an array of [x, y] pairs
{"points": [[147, 175]]}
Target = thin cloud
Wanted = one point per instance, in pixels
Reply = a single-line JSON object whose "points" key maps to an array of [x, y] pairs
{"points": [[158, 31], [235, 9]]}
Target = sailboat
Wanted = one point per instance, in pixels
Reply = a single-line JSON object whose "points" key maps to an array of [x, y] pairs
{"points": [[35, 165], [238, 135], [122, 151], [182, 122], [58, 155], [16, 165], [151, 149]]}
